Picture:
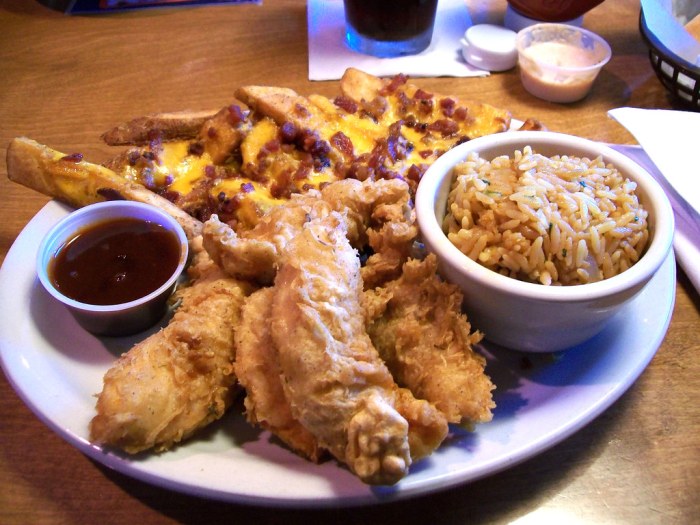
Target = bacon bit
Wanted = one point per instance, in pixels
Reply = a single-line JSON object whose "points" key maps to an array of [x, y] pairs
{"points": [[343, 143], [448, 106], [170, 195], [305, 139], [210, 171], [223, 206], [461, 114], [321, 163], [196, 149], [110, 194], [303, 171], [420, 127], [301, 111], [288, 133], [271, 146], [320, 148], [445, 127], [247, 187], [425, 106], [212, 132], [395, 83], [282, 188], [229, 206], [376, 108], [262, 168], [233, 203], [73, 157], [235, 115], [404, 103], [385, 173], [346, 104], [397, 147], [415, 173], [426, 153], [420, 94], [360, 171]]}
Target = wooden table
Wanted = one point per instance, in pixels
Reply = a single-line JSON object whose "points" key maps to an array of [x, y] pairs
{"points": [[65, 79]]}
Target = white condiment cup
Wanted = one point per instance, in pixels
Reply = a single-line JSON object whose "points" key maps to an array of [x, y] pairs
{"points": [[559, 62], [527, 316], [116, 319]]}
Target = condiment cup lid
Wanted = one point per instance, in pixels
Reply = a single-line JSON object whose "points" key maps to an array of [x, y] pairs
{"points": [[490, 47]]}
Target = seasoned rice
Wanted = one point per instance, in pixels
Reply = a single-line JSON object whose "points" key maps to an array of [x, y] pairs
{"points": [[559, 220]]}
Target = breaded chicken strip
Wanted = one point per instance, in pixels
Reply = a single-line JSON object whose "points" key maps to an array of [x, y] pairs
{"points": [[381, 216], [418, 328], [362, 417], [335, 381], [255, 254], [258, 371], [180, 378]]}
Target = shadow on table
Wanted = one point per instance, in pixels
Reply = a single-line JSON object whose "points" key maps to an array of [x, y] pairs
{"points": [[500, 498]]}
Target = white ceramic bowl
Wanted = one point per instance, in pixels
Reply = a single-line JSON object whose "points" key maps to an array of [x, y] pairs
{"points": [[114, 319], [527, 316]]}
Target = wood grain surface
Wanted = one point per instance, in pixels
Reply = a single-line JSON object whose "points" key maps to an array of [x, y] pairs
{"points": [[66, 79]]}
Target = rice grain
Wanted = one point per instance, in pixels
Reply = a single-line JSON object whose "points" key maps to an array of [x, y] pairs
{"points": [[560, 220]]}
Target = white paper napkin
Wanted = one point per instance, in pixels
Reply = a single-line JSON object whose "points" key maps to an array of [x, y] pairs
{"points": [[329, 55], [669, 140]]}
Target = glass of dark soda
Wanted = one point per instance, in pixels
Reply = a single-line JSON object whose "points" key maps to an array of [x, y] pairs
{"points": [[389, 28]]}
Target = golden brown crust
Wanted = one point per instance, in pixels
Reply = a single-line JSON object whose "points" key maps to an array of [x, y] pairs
{"points": [[359, 85], [179, 125], [179, 379], [283, 105], [275, 102], [78, 183]]}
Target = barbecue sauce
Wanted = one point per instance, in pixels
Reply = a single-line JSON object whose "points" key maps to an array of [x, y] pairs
{"points": [[115, 261]]}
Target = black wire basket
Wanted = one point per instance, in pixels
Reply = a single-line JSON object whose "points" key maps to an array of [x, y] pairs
{"points": [[681, 78]]}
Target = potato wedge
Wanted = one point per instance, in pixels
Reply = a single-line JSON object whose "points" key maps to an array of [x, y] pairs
{"points": [[359, 85], [79, 183], [396, 98], [282, 105], [181, 125]]}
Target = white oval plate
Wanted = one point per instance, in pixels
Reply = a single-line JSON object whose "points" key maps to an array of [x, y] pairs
{"points": [[57, 368]]}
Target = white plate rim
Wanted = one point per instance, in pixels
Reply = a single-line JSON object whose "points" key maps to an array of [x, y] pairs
{"points": [[285, 480]]}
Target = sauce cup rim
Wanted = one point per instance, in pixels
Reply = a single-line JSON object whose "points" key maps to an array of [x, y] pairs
{"points": [[82, 217]]}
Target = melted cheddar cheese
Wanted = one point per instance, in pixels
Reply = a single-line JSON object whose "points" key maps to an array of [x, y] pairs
{"points": [[409, 131]]}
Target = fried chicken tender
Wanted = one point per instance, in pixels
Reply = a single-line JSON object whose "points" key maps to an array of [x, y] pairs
{"points": [[255, 254], [333, 380], [336, 384], [379, 215], [258, 371], [382, 217], [417, 326], [180, 378]]}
